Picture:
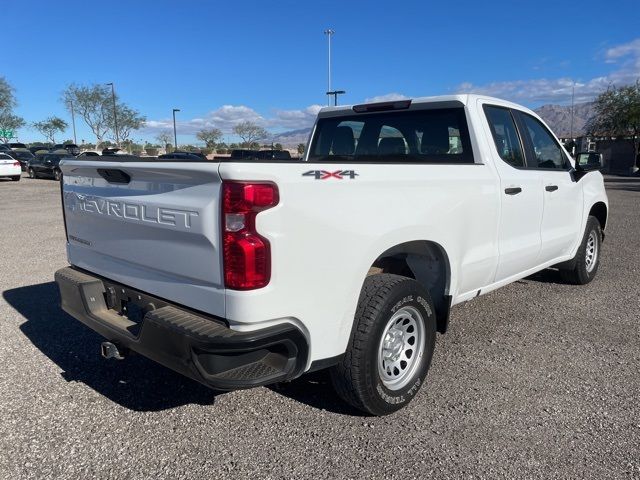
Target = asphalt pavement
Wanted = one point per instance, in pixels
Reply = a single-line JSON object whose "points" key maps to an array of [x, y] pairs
{"points": [[539, 379]]}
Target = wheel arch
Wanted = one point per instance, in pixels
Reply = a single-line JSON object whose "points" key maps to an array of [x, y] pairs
{"points": [[600, 211], [426, 262]]}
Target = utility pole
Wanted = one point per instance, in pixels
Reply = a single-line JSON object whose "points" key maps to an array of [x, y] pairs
{"points": [[115, 115], [573, 91], [73, 122], [175, 134], [329, 33]]}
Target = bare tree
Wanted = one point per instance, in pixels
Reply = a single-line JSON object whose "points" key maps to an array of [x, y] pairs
{"points": [[50, 127], [164, 138], [249, 132], [94, 105], [129, 120], [209, 136]]}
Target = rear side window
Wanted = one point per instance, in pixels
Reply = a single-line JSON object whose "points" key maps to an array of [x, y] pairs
{"points": [[421, 136], [505, 135]]}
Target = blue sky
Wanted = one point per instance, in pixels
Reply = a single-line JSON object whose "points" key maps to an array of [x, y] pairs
{"points": [[223, 62]]}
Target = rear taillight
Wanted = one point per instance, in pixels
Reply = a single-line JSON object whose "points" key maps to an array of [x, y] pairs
{"points": [[246, 254], [16, 164]]}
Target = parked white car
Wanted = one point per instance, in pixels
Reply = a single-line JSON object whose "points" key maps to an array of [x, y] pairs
{"points": [[9, 167], [246, 272]]}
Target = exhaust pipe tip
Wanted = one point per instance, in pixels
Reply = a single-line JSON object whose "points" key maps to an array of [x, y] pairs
{"points": [[110, 350]]}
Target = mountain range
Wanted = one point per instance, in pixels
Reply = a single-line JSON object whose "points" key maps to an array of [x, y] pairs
{"points": [[558, 117]]}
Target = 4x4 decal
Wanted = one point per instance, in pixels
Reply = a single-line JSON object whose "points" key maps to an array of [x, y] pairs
{"points": [[324, 174]]}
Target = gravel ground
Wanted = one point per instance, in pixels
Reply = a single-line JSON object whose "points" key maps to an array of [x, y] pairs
{"points": [[537, 380]]}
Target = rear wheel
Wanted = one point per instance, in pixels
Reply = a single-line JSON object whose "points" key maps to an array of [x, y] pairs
{"points": [[16, 178], [390, 348], [587, 260], [32, 173]]}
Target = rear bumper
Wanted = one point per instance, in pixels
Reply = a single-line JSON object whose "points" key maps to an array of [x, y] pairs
{"points": [[197, 346]]}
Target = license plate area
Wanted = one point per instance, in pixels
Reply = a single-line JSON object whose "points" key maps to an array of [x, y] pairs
{"points": [[130, 304]]}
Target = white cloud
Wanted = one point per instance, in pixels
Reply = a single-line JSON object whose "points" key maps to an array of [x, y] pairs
{"points": [[228, 116], [388, 97], [295, 118], [558, 90], [632, 48]]}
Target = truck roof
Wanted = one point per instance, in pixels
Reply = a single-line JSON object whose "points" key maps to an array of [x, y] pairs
{"points": [[460, 99]]}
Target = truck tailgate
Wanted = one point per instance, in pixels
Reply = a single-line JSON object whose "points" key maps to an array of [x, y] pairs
{"points": [[153, 226]]}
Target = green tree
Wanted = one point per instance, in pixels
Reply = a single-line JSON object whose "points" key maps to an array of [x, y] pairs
{"points": [[7, 95], [250, 133], [278, 146], [50, 127], [10, 123], [301, 147], [209, 136], [93, 104], [617, 114], [8, 120]]}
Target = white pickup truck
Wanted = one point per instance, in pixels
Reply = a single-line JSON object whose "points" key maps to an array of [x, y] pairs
{"points": [[243, 273]]}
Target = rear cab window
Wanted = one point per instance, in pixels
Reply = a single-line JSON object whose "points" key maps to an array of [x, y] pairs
{"points": [[408, 136], [505, 135]]}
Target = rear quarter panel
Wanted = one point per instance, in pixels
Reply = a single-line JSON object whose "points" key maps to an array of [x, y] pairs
{"points": [[325, 235]]}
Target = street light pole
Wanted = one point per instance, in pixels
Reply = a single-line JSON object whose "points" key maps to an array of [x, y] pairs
{"points": [[73, 122], [115, 115], [175, 134], [329, 33], [335, 94]]}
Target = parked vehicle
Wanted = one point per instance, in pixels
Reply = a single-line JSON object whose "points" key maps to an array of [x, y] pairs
{"points": [[240, 154], [15, 145], [38, 148], [4, 147], [47, 165], [23, 156], [88, 154], [72, 148], [182, 156], [9, 167], [244, 273]]}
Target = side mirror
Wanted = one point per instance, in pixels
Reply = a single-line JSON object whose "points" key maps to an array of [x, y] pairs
{"points": [[588, 161]]}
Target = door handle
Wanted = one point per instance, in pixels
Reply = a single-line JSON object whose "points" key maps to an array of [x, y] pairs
{"points": [[551, 188], [512, 190]]}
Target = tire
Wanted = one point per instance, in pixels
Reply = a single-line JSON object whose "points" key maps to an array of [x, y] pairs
{"points": [[392, 310], [16, 178], [57, 175], [587, 260], [32, 173]]}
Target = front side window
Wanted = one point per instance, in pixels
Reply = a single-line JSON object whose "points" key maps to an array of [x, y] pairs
{"points": [[546, 151], [505, 135], [420, 136]]}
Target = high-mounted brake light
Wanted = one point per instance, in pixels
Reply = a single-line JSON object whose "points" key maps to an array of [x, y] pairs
{"points": [[382, 106], [246, 254]]}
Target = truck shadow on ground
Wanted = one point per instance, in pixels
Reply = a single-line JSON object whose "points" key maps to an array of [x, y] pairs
{"points": [[135, 383], [548, 275], [627, 187], [315, 390]]}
